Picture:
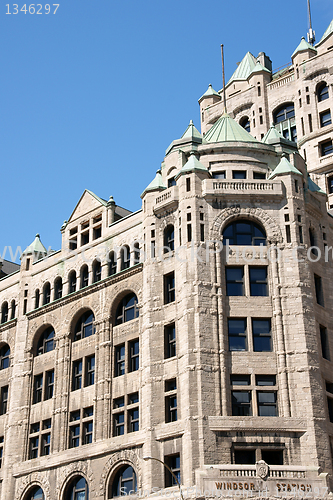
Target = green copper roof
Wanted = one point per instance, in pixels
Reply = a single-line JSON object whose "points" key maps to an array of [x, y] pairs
{"points": [[313, 187], [226, 129], [284, 167], [328, 32], [192, 165], [35, 247], [271, 135], [209, 92], [156, 184], [304, 45], [258, 68], [191, 132], [245, 68]]}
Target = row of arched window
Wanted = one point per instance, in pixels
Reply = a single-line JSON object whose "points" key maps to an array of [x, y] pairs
{"points": [[6, 312], [44, 297], [123, 483]]}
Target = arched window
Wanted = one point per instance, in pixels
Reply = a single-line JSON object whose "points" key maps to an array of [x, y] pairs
{"points": [[4, 312], [13, 309], [284, 120], [72, 282], [84, 276], [112, 263], [37, 298], [245, 123], [136, 253], [97, 271], [127, 309], [124, 482], [244, 232], [46, 341], [77, 489], [46, 293], [57, 288], [322, 92], [85, 326], [4, 357], [35, 493], [169, 238], [125, 257]]}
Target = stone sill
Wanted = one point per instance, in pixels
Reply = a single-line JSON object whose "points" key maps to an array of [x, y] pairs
{"points": [[257, 424]]}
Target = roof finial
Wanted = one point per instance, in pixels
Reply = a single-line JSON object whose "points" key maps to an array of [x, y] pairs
{"points": [[223, 76], [311, 34]]}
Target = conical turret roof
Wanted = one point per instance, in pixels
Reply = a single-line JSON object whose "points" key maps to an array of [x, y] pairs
{"points": [[36, 247], [304, 45], [227, 129], [191, 132], [192, 165], [313, 187], [209, 92], [245, 68], [156, 184], [284, 167]]}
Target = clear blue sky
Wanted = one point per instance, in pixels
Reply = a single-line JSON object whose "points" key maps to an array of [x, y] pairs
{"points": [[93, 95]]}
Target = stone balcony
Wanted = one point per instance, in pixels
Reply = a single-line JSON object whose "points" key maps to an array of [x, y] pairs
{"points": [[166, 200], [242, 188]]}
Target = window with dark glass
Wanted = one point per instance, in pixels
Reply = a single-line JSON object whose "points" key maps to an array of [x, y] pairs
{"points": [[237, 334], [234, 280], [90, 370], [171, 408], [133, 355], [77, 375], [46, 341], [245, 457], [133, 420], [262, 337], [74, 436], [37, 299], [218, 175], [136, 253], [123, 483], [330, 408], [1, 450], [267, 404], [46, 293], [169, 288], [4, 312], [112, 263], [265, 380], [272, 457], [241, 403], [245, 123], [127, 309], [38, 388], [33, 447], [259, 175], [285, 112], [4, 357], [239, 174], [119, 424], [173, 462], [169, 238], [87, 432], [97, 271], [319, 290], [330, 184], [244, 232], [46, 443], [326, 148], [322, 92], [85, 326], [4, 400], [49, 384], [240, 379], [172, 182], [125, 257], [72, 282], [58, 288], [325, 351], [258, 281], [169, 341], [119, 360], [84, 276], [77, 489], [325, 118]]}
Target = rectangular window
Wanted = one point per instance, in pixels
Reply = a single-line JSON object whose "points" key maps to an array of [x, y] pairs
{"points": [[169, 288], [77, 375], [74, 436], [288, 235], [319, 290], [90, 370], [33, 447], [326, 148], [49, 384], [330, 408], [119, 402], [310, 123], [265, 380], [267, 404], [261, 120], [241, 403], [240, 379], [307, 99], [300, 232], [239, 174], [152, 249], [330, 185], [218, 175], [119, 360], [46, 443], [1, 450], [258, 281], [259, 175], [173, 462], [188, 184], [189, 233], [87, 432], [38, 389], [234, 281], [133, 420], [202, 232], [324, 342], [169, 341], [262, 337], [119, 424], [171, 408], [97, 232], [237, 334], [245, 457], [296, 185], [325, 118], [133, 398], [134, 355]]}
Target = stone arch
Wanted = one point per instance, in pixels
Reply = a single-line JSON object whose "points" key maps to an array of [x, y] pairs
{"points": [[229, 214], [35, 479], [36, 327], [127, 290], [69, 472], [77, 314], [124, 457]]}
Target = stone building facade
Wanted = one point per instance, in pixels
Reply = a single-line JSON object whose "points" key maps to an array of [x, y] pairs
{"points": [[192, 336]]}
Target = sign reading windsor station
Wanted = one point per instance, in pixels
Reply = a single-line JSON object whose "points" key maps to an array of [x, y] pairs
{"points": [[185, 349]]}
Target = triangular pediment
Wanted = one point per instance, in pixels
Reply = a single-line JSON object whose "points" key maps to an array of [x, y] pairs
{"points": [[86, 204]]}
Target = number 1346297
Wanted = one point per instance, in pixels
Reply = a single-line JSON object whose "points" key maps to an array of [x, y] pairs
{"points": [[33, 8]]}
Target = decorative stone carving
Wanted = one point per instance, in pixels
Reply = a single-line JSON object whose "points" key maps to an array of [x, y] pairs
{"points": [[39, 479], [71, 470], [262, 469], [129, 457]]}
